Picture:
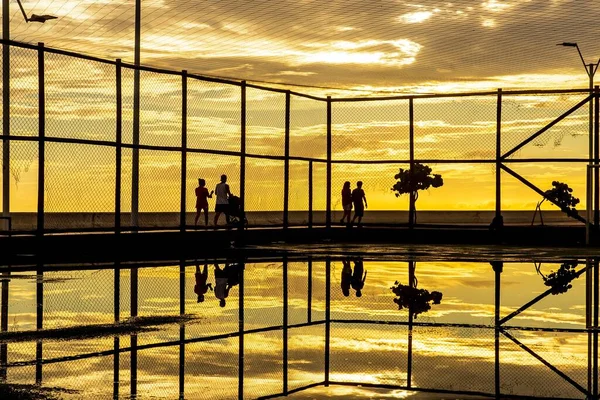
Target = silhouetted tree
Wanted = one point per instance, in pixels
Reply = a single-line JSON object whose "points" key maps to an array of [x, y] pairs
{"points": [[415, 300], [561, 195], [559, 281], [420, 178]]}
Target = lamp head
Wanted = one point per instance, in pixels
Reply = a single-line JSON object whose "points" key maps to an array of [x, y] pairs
{"points": [[40, 18]]}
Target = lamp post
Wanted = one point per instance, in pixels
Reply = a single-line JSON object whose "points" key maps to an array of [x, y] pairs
{"points": [[591, 69], [6, 98]]}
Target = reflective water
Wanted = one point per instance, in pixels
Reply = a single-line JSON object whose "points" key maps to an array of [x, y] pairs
{"points": [[268, 341]]}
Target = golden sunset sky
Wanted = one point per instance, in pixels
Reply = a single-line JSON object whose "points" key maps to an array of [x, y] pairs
{"points": [[338, 48]]}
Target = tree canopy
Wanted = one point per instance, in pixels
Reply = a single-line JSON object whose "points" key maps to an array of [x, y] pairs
{"points": [[561, 195], [420, 178]]}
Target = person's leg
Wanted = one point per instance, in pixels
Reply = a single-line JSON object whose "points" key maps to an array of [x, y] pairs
{"points": [[198, 268], [206, 216], [217, 214], [197, 216], [227, 217]]}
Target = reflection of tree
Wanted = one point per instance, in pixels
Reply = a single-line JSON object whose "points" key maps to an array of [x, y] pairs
{"points": [[559, 281], [415, 300]]}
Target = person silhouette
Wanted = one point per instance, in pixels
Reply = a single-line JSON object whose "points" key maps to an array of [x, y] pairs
{"points": [[201, 286], [221, 289], [222, 203], [202, 197], [346, 202], [358, 196], [346, 277], [358, 280]]}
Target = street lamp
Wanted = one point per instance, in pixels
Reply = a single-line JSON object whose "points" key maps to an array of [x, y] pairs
{"points": [[594, 148], [34, 17]]}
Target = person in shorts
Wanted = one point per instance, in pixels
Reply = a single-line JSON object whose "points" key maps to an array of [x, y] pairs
{"points": [[222, 203], [202, 197], [358, 198], [201, 286]]}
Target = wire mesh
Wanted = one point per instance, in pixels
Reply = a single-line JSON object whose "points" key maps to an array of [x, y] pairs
{"points": [[298, 193], [517, 196], [158, 372], [264, 191], [263, 295], [96, 384], [214, 116], [306, 355], [23, 185], [455, 128], [265, 122], [209, 167], [525, 115], [308, 128], [298, 293], [373, 356], [371, 130], [523, 374], [458, 359], [263, 369], [159, 188], [80, 98], [77, 298], [24, 110], [211, 369], [373, 301], [160, 109], [79, 186]]}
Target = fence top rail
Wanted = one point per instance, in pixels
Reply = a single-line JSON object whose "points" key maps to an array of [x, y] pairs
{"points": [[465, 94]]}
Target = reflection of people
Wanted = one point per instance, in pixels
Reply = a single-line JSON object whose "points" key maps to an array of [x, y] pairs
{"points": [[221, 289], [234, 274], [358, 196], [346, 202], [358, 280], [346, 277], [202, 197], [222, 203], [201, 286]]}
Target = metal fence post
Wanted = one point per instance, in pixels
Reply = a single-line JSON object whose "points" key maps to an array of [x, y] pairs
{"points": [[497, 267], [182, 330], [182, 214], [328, 195], [411, 150], [409, 355], [596, 160], [286, 165], [5, 110], [118, 147], [309, 294], [327, 317], [498, 155], [595, 334], [241, 335], [4, 324], [116, 339], [243, 154], [310, 194], [41, 139], [285, 325], [39, 295]]}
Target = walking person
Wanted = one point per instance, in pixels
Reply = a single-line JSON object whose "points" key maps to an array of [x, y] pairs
{"points": [[358, 197], [202, 197], [201, 286], [346, 202], [358, 280], [346, 277], [221, 288], [222, 203]]}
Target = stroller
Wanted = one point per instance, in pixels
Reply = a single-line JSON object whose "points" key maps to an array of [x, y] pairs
{"points": [[236, 216]]}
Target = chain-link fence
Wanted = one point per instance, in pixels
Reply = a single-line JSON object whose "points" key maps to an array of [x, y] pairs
{"points": [[93, 147]]}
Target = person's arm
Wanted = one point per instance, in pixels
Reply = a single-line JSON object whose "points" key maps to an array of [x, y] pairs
{"points": [[210, 194], [365, 199], [228, 192], [365, 277]]}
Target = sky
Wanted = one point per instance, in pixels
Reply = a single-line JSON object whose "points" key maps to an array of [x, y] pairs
{"points": [[338, 48]]}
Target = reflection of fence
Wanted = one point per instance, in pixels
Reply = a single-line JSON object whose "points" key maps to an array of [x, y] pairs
{"points": [[87, 151], [407, 362]]}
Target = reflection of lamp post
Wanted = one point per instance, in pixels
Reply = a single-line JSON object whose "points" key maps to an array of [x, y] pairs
{"points": [[590, 69], [34, 17]]}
